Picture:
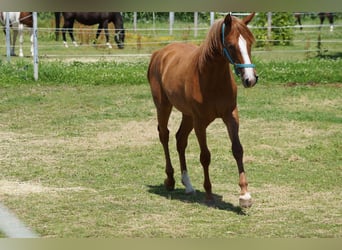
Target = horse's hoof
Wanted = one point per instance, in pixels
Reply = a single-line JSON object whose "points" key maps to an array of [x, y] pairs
{"points": [[169, 185], [245, 200]]}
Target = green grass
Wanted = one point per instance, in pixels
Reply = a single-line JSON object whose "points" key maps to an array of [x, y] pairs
{"points": [[77, 72], [88, 160]]}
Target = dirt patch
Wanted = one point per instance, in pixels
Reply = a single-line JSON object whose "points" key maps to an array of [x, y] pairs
{"points": [[25, 188], [132, 133]]}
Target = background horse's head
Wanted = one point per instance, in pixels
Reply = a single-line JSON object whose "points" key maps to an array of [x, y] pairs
{"points": [[119, 36], [237, 41]]}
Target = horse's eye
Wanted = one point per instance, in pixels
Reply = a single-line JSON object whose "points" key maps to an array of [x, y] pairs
{"points": [[230, 46]]}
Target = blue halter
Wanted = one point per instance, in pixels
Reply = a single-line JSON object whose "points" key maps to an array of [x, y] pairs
{"points": [[226, 53]]}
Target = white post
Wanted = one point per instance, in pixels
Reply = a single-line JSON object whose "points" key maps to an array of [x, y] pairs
{"points": [[212, 18], [35, 46], [8, 38], [269, 25], [195, 23], [172, 20], [154, 21], [135, 21]]}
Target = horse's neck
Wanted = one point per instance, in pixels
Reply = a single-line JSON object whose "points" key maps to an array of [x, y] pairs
{"points": [[215, 62]]}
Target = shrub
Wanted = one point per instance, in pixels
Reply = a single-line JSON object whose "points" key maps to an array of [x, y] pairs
{"points": [[281, 33]]}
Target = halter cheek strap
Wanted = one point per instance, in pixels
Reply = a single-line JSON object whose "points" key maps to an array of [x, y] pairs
{"points": [[226, 53]]}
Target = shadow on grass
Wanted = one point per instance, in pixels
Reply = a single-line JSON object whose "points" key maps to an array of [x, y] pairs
{"points": [[331, 56], [199, 197]]}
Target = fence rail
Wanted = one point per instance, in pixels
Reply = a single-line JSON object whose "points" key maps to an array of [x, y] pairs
{"points": [[142, 41]]}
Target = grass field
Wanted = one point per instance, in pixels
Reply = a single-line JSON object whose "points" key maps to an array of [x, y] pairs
{"points": [[80, 155]]}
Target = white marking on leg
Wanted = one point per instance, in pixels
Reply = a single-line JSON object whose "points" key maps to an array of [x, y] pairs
{"points": [[186, 182], [31, 39], [65, 44], [21, 40], [249, 72], [109, 45], [245, 200], [75, 43]]}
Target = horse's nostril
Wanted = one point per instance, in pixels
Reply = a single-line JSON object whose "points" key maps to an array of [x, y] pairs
{"points": [[256, 78], [247, 82]]}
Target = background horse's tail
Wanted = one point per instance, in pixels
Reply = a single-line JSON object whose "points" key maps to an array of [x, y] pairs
{"points": [[57, 21]]}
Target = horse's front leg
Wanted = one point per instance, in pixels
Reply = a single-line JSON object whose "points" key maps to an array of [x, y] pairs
{"points": [[232, 123]]}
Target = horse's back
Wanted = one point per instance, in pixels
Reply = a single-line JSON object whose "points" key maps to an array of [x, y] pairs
{"points": [[90, 18], [13, 17], [172, 57]]}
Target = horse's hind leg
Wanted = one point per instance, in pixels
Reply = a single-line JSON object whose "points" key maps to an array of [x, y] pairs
{"points": [[163, 114], [232, 123], [182, 142], [164, 108], [200, 127]]}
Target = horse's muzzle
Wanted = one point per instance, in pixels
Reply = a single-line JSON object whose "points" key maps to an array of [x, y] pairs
{"points": [[250, 82]]}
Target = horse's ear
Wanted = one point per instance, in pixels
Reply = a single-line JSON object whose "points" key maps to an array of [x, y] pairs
{"points": [[248, 18], [228, 20], [228, 23]]}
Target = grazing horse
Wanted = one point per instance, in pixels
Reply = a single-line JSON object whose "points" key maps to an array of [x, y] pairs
{"points": [[199, 82], [91, 18], [330, 16], [17, 21], [321, 15]]}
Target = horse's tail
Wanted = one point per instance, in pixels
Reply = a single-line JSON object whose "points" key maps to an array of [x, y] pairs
{"points": [[57, 21]]}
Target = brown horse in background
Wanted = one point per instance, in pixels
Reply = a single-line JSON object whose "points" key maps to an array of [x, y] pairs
{"points": [[91, 18], [199, 82]]}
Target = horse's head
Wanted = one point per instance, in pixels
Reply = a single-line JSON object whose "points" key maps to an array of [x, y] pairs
{"points": [[237, 41], [119, 38]]}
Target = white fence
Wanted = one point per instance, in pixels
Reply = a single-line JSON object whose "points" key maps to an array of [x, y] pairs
{"points": [[142, 41]]}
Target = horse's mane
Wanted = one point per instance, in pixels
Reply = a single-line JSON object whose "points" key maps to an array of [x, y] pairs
{"points": [[212, 46]]}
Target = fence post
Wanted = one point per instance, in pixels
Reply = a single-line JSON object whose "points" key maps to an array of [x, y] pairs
{"points": [[135, 21], [8, 38], [212, 18], [195, 23], [172, 20], [269, 25], [35, 46]]}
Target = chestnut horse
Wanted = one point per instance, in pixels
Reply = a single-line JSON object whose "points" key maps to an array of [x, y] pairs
{"points": [[17, 21], [199, 82], [91, 18]]}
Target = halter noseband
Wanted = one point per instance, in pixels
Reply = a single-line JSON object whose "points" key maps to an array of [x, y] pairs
{"points": [[226, 53]]}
